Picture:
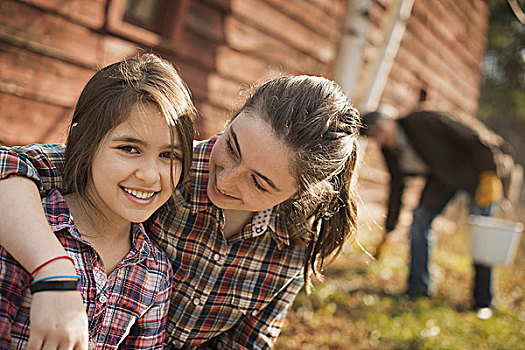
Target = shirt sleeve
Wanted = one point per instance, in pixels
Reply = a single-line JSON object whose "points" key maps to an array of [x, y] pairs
{"points": [[44, 164], [259, 331], [150, 329], [397, 186], [12, 280]]}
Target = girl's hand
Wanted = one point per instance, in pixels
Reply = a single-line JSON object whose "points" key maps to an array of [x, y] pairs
{"points": [[58, 321]]}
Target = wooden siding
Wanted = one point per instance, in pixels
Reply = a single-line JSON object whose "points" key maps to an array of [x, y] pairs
{"points": [[50, 48], [441, 52]]}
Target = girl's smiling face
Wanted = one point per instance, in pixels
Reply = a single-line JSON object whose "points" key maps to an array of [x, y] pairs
{"points": [[250, 169], [131, 170]]}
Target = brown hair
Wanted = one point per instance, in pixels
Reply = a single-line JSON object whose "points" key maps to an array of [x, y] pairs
{"points": [[314, 118], [106, 101]]}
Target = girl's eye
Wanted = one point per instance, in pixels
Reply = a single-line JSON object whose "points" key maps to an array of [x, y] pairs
{"points": [[230, 147], [129, 149], [170, 155], [257, 184]]}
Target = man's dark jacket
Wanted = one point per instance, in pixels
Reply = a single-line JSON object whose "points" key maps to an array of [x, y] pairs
{"points": [[453, 152]]}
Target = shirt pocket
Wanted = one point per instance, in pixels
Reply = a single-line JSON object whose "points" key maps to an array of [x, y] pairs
{"points": [[251, 295]]}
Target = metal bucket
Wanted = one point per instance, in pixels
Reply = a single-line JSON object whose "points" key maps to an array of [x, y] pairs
{"points": [[494, 241]]}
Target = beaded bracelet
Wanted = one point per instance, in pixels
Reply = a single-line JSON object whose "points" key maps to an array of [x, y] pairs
{"points": [[55, 286]]}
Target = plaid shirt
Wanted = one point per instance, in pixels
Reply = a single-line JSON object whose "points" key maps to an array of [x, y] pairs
{"points": [[228, 293], [126, 309]]}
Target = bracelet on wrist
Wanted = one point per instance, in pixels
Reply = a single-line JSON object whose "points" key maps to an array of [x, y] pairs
{"points": [[55, 277], [43, 286], [46, 263]]}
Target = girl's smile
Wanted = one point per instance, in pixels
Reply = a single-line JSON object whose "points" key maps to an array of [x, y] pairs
{"points": [[131, 168], [139, 194]]}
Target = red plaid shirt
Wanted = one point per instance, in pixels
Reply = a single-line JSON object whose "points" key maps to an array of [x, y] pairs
{"points": [[126, 309], [228, 293]]}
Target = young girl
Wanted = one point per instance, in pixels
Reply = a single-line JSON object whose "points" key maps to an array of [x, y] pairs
{"points": [[268, 201], [129, 142]]}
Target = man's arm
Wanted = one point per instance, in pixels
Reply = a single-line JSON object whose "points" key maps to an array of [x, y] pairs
{"points": [[397, 185]]}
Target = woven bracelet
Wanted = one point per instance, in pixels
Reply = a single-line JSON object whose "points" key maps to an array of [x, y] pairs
{"points": [[55, 286], [47, 262]]}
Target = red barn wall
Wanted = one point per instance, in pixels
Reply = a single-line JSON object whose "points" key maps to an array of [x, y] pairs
{"points": [[50, 48]]}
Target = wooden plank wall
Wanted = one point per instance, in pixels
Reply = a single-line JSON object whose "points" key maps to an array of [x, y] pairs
{"points": [[441, 52], [50, 48]]}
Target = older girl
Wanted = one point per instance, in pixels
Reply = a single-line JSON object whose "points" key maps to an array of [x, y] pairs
{"points": [[268, 201]]}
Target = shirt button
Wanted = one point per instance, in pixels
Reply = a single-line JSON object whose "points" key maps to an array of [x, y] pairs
{"points": [[196, 301], [254, 313], [216, 257], [103, 299]]}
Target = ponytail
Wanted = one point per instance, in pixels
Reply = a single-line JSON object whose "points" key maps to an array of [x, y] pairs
{"points": [[334, 221]]}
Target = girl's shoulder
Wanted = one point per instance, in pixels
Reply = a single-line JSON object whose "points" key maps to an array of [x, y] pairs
{"points": [[156, 258]]}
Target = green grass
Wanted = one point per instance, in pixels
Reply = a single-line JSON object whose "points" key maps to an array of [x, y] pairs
{"points": [[330, 319]]}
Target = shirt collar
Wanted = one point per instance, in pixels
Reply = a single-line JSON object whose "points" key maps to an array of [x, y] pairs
{"points": [[60, 219], [278, 229], [283, 233]]}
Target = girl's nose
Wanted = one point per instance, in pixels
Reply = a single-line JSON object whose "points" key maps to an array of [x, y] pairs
{"points": [[148, 171]]}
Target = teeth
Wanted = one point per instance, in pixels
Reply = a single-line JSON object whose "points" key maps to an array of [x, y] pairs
{"points": [[139, 194]]}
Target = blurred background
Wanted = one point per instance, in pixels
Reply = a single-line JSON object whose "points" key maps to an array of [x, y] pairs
{"points": [[466, 56]]}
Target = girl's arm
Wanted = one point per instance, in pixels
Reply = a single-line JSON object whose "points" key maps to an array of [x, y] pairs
{"points": [[23, 219], [57, 318]]}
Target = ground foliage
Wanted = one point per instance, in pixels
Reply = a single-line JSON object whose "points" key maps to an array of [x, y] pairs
{"points": [[361, 305]]}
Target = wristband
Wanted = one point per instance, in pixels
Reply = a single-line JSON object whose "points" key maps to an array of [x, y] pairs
{"points": [[55, 286]]}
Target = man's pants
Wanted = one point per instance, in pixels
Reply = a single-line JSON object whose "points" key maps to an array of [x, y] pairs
{"points": [[418, 281]]}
